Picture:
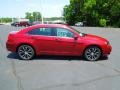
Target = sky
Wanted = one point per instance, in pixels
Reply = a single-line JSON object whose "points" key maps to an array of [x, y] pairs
{"points": [[17, 8]]}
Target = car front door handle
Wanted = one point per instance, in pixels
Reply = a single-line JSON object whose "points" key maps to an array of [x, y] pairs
{"points": [[34, 38], [57, 39]]}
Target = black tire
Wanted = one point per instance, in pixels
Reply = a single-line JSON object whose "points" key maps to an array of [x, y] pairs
{"points": [[26, 25], [92, 53], [17, 25], [26, 52]]}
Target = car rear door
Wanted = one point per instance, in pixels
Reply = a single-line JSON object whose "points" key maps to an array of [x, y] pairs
{"points": [[44, 40]]}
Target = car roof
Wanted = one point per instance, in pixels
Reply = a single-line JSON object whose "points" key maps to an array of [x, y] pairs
{"points": [[51, 25], [44, 26]]}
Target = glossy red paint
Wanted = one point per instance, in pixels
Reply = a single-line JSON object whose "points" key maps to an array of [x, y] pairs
{"points": [[54, 45]]}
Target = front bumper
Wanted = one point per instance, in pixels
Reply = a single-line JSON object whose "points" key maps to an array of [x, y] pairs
{"points": [[107, 50]]}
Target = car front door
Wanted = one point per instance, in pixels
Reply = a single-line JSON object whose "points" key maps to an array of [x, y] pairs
{"points": [[65, 42]]}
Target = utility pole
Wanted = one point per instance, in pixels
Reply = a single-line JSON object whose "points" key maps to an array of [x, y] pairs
{"points": [[42, 18], [42, 13]]}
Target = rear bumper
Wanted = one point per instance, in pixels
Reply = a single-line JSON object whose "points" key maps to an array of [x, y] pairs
{"points": [[11, 47]]}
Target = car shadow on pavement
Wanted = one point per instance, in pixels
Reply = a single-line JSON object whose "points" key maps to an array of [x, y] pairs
{"points": [[14, 56]]}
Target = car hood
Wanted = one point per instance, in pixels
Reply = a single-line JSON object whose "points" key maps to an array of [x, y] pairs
{"points": [[94, 37]]}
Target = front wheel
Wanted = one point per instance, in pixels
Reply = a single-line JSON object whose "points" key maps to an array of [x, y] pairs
{"points": [[92, 53], [26, 52]]}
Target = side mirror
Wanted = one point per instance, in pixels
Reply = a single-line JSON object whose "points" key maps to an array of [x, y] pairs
{"points": [[75, 37]]}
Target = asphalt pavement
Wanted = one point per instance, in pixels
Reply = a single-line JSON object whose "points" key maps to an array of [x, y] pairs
{"points": [[58, 72]]}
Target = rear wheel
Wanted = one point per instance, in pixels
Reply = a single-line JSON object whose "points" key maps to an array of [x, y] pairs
{"points": [[92, 53], [26, 25], [17, 25], [26, 52]]}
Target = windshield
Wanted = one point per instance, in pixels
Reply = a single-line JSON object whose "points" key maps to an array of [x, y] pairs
{"points": [[81, 34], [75, 30]]}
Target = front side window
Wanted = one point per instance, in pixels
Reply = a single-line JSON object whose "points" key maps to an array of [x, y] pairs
{"points": [[41, 31], [61, 32]]}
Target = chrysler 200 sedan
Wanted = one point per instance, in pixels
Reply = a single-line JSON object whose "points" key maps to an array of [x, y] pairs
{"points": [[56, 39]]}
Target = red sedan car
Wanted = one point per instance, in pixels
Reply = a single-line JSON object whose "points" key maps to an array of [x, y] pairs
{"points": [[56, 39]]}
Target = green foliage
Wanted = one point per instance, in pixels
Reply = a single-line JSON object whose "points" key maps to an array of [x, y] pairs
{"points": [[5, 20], [102, 22], [91, 11], [115, 14], [71, 12], [89, 4], [53, 18], [34, 16]]}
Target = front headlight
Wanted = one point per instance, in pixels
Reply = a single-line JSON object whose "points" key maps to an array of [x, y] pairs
{"points": [[107, 43]]}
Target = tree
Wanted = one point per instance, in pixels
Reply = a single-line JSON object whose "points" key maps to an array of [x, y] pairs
{"points": [[89, 13], [93, 12], [29, 16], [5, 20], [34, 16], [115, 13], [72, 12]]}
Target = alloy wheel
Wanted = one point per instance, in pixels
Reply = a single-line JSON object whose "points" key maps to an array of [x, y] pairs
{"points": [[92, 53], [26, 52]]}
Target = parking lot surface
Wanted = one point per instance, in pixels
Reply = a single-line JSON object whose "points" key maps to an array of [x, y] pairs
{"points": [[58, 72]]}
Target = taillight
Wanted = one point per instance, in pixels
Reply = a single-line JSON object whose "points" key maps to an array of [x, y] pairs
{"points": [[11, 38]]}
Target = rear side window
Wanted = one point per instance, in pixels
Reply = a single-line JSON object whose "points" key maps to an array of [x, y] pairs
{"points": [[41, 31]]}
